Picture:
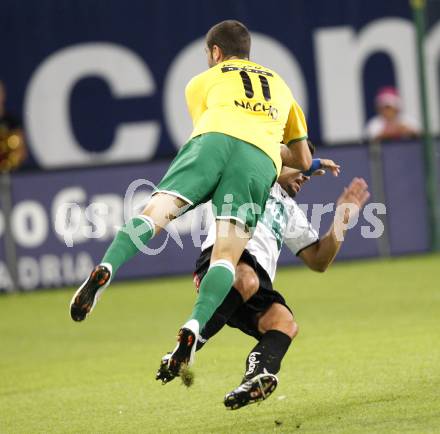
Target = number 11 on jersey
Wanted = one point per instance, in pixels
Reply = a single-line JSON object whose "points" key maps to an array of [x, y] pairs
{"points": [[249, 92]]}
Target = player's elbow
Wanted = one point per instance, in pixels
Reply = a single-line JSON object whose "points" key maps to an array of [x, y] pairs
{"points": [[304, 162], [297, 155], [319, 266], [300, 162], [321, 269]]}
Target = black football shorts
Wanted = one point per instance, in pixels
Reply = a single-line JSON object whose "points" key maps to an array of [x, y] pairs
{"points": [[246, 316]]}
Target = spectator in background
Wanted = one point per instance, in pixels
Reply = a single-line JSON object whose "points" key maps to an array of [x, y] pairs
{"points": [[390, 123], [12, 147]]}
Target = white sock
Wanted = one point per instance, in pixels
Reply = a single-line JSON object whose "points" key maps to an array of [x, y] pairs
{"points": [[108, 266], [193, 325]]}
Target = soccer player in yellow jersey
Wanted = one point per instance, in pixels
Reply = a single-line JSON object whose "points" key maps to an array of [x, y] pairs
{"points": [[241, 112]]}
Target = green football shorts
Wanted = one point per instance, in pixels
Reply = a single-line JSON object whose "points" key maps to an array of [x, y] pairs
{"points": [[234, 174]]}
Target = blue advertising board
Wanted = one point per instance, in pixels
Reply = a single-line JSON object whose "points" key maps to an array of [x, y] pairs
{"points": [[100, 90], [100, 83], [63, 220]]}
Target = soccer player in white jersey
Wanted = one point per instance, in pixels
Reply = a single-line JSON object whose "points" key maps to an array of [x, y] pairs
{"points": [[253, 305]]}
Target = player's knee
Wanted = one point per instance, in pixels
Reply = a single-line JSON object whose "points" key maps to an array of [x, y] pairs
{"points": [[293, 327], [287, 324], [278, 317], [246, 282], [162, 208]]}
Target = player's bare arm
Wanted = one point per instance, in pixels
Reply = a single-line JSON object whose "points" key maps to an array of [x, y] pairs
{"points": [[297, 155], [319, 256]]}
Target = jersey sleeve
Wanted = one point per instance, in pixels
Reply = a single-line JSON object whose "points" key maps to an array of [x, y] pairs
{"points": [[299, 232], [196, 97], [296, 126]]}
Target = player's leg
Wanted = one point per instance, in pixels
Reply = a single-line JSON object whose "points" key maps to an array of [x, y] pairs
{"points": [[238, 200], [138, 231], [278, 328], [230, 243], [190, 180], [161, 209], [245, 286], [267, 318], [247, 282], [129, 240], [231, 239]]}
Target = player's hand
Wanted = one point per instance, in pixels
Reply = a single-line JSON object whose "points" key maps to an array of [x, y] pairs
{"points": [[334, 168], [355, 194]]}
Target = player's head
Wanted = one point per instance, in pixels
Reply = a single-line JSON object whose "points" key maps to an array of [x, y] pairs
{"points": [[291, 181], [227, 39]]}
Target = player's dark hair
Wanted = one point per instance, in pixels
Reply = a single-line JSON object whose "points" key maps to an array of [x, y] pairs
{"points": [[232, 37], [311, 146]]}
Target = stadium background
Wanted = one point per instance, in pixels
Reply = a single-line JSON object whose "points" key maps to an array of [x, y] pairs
{"points": [[99, 87], [100, 90]]}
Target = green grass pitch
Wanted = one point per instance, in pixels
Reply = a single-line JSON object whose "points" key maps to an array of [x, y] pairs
{"points": [[367, 358]]}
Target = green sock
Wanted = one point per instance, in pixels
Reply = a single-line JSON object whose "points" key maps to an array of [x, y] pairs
{"points": [[213, 289], [123, 247]]}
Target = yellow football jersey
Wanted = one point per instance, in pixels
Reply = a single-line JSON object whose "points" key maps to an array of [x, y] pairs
{"points": [[248, 101]]}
